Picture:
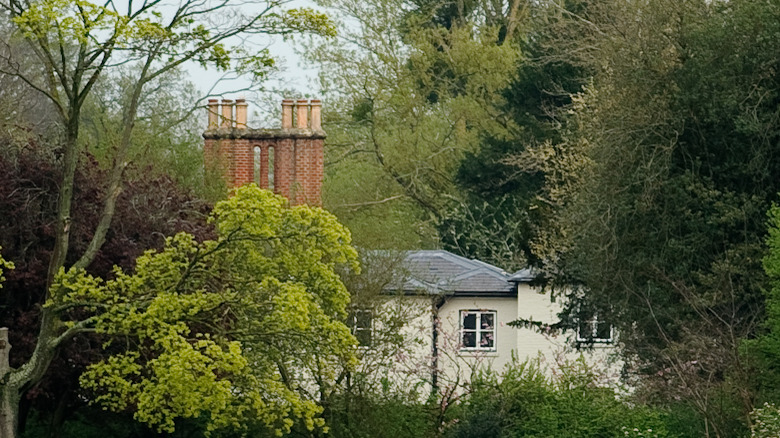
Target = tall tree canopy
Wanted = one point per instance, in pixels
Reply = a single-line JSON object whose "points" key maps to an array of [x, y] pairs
{"points": [[407, 100], [500, 210], [662, 177]]}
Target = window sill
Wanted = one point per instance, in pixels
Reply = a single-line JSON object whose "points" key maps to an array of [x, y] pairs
{"points": [[595, 344], [481, 353]]}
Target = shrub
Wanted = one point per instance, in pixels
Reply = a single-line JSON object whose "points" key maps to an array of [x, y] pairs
{"points": [[524, 402]]}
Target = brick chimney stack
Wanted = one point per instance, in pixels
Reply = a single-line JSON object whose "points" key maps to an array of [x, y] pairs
{"points": [[244, 155]]}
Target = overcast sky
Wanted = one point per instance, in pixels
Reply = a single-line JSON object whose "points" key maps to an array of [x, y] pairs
{"points": [[293, 75]]}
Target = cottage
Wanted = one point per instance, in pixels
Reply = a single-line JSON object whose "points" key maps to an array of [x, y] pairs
{"points": [[458, 313], [441, 317]]}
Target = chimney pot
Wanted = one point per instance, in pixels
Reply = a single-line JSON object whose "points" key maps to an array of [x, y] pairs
{"points": [[303, 114], [227, 113], [316, 114], [212, 109], [241, 110], [287, 113]]}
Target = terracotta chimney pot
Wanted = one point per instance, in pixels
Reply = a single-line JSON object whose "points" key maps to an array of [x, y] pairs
{"points": [[287, 113], [303, 114], [316, 114], [241, 110], [212, 109], [227, 113]]}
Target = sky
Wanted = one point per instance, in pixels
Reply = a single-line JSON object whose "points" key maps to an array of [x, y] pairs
{"points": [[293, 75]]}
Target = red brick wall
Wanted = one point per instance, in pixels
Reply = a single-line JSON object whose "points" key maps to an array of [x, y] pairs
{"points": [[243, 162], [298, 163], [264, 156], [309, 166]]}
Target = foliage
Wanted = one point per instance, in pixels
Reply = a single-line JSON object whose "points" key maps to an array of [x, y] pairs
{"points": [[500, 210], [5, 265], [378, 416], [523, 401], [222, 327], [166, 138], [660, 183], [494, 230], [149, 208], [381, 394], [423, 97], [767, 346], [766, 421], [74, 44]]}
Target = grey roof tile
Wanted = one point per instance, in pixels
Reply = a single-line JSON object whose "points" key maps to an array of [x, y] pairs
{"points": [[442, 272], [524, 275]]}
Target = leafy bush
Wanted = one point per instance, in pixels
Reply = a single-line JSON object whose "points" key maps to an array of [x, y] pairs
{"points": [[352, 416], [766, 421], [524, 402]]}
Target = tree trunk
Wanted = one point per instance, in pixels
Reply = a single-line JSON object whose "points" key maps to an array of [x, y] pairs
{"points": [[9, 394], [9, 411], [61, 413], [70, 161], [13, 382]]}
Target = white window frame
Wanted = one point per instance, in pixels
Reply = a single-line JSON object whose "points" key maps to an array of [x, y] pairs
{"points": [[593, 324], [354, 328], [478, 330]]}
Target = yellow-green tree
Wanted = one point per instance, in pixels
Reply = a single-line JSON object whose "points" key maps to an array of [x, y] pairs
{"points": [[73, 44], [227, 328]]}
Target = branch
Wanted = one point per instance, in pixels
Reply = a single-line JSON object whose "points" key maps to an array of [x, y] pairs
{"points": [[115, 181], [367, 203], [79, 327]]}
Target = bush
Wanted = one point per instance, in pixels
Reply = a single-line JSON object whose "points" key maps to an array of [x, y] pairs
{"points": [[766, 422], [524, 402]]}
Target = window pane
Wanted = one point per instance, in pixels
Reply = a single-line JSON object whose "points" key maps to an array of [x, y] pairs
{"points": [[585, 330], [363, 337], [603, 330], [470, 321], [487, 321], [363, 319], [486, 340], [469, 340]]}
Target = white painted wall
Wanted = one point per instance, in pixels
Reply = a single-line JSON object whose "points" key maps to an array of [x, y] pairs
{"points": [[405, 365], [458, 365], [553, 350], [409, 367]]}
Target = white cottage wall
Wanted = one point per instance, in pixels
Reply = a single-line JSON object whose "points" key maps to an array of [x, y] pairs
{"points": [[457, 364]]}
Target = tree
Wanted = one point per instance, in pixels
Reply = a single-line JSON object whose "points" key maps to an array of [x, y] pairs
{"points": [[767, 345], [382, 395], [224, 327], [407, 101], [167, 135], [149, 208], [660, 183], [500, 209], [75, 43]]}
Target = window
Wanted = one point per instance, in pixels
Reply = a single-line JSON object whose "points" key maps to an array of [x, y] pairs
{"points": [[478, 330], [359, 322], [594, 330]]}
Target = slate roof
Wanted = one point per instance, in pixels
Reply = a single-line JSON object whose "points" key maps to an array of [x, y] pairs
{"points": [[524, 275], [442, 272]]}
